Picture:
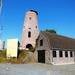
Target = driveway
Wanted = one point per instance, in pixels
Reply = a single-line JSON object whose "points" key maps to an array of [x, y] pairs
{"points": [[36, 69]]}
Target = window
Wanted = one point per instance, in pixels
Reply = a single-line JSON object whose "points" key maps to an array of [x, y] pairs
{"points": [[41, 42], [36, 26], [29, 34], [29, 28], [71, 54], [60, 54], [54, 53], [30, 18], [66, 54]]}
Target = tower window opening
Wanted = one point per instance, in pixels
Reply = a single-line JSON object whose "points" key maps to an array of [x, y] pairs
{"points": [[36, 26], [29, 34], [30, 18], [29, 28]]}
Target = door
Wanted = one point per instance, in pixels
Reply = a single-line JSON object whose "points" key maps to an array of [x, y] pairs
{"points": [[41, 56]]}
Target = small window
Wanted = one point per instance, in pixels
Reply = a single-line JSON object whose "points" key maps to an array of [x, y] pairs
{"points": [[54, 53], [71, 54], [29, 28], [30, 18], [66, 54], [29, 34], [60, 54], [41, 42], [36, 26]]}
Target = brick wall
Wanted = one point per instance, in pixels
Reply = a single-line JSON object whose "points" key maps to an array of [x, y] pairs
{"points": [[44, 47], [60, 60]]}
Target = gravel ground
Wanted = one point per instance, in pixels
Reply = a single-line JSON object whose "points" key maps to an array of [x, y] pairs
{"points": [[36, 69]]}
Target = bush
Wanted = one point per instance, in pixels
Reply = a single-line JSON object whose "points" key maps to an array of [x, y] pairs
{"points": [[3, 53], [32, 49], [37, 41]]}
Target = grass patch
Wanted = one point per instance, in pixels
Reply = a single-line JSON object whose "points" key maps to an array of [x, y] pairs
{"points": [[2, 60], [21, 55], [3, 56]]}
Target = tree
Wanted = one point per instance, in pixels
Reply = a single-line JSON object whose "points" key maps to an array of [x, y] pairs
{"points": [[51, 31], [18, 44]]}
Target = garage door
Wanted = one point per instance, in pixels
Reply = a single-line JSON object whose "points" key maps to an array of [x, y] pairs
{"points": [[41, 56]]}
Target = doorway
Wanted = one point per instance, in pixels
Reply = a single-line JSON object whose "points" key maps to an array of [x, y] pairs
{"points": [[41, 56]]}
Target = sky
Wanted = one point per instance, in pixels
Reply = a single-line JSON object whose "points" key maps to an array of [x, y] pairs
{"points": [[52, 14]]}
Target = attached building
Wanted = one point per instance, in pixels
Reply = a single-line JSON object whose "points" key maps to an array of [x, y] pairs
{"points": [[55, 49]]}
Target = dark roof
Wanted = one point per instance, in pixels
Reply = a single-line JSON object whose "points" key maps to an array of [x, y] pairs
{"points": [[34, 11], [59, 41]]}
